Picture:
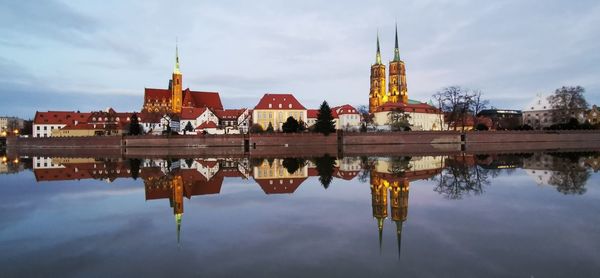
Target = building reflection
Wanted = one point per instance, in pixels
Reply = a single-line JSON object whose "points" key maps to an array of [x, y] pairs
{"points": [[390, 180], [389, 177]]}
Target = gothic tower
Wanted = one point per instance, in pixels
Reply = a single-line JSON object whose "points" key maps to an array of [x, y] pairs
{"points": [[379, 201], [176, 86], [397, 86], [377, 95], [399, 207]]}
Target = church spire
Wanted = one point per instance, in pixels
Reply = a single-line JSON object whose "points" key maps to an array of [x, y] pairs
{"points": [[378, 56], [176, 70], [396, 49], [380, 228], [178, 222]]}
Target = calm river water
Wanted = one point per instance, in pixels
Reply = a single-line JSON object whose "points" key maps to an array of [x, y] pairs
{"points": [[526, 215]]}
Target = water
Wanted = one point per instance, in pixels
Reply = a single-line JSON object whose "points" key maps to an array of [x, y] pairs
{"points": [[527, 215]]}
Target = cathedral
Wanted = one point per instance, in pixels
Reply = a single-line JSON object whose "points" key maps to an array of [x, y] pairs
{"points": [[173, 99], [383, 100]]}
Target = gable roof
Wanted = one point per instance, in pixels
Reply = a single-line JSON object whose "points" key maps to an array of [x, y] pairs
{"points": [[211, 100], [204, 125], [279, 102], [191, 113], [411, 106], [60, 117], [151, 94]]}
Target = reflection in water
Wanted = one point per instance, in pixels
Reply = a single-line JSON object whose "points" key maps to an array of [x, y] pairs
{"points": [[389, 177]]}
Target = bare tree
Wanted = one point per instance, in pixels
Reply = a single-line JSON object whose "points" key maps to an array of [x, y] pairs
{"points": [[567, 103], [458, 104]]}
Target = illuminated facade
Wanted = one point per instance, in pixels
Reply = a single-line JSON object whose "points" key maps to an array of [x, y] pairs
{"points": [[423, 116]]}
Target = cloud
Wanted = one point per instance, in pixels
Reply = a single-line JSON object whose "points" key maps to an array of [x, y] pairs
{"points": [[511, 50]]}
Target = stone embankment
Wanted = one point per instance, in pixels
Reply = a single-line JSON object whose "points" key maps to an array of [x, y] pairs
{"points": [[307, 144]]}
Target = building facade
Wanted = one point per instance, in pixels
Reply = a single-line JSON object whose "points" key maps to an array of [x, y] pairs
{"points": [[276, 108]]}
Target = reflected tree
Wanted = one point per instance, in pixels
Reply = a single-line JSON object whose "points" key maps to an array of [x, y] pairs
{"points": [[459, 179], [293, 164], [325, 165], [399, 165], [134, 167], [568, 175]]}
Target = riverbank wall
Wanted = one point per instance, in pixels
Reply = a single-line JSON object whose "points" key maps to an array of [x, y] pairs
{"points": [[309, 144]]}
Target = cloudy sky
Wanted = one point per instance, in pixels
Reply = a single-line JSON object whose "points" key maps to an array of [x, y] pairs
{"points": [[86, 55]]}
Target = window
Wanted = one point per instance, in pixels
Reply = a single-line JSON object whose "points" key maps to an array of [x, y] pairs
{"points": [[37, 127], [45, 128]]}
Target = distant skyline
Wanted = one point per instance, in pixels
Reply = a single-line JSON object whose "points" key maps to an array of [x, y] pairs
{"points": [[59, 55]]}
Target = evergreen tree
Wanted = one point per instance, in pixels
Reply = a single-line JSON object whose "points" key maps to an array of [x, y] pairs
{"points": [[291, 125], [188, 128], [134, 126], [325, 123], [270, 128]]}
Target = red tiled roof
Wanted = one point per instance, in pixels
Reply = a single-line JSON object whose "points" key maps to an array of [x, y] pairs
{"points": [[149, 117], [345, 110], [408, 107], [279, 101], [280, 186], [60, 117], [151, 94], [209, 124], [211, 100], [313, 113], [190, 113], [229, 113]]}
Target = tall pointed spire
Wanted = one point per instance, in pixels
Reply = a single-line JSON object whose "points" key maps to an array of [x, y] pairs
{"points": [[399, 235], [396, 49], [380, 228], [178, 222], [176, 70], [378, 56]]}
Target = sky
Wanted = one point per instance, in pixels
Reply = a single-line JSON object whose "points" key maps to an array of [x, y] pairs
{"points": [[90, 55]]}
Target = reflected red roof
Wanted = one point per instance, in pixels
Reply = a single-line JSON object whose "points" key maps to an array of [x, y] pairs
{"points": [[279, 102], [280, 186]]}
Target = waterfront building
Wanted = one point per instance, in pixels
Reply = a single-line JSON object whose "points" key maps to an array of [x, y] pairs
{"points": [[538, 114], [593, 115], [502, 119], [11, 123], [382, 102], [45, 122], [345, 117], [276, 108]]}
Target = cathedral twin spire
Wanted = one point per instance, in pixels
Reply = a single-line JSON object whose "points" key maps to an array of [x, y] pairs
{"points": [[396, 50], [176, 70]]}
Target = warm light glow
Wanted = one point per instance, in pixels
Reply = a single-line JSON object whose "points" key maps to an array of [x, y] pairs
{"points": [[4, 159]]}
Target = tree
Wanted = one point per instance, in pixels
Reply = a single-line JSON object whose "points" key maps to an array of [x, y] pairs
{"points": [[325, 165], [325, 123], [188, 128], [256, 128], [458, 104], [270, 128], [477, 104], [134, 126], [398, 120], [366, 118], [293, 164], [301, 126], [291, 125], [134, 167], [567, 103]]}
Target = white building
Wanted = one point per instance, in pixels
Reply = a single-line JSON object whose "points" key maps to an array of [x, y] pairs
{"points": [[423, 116], [45, 122]]}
